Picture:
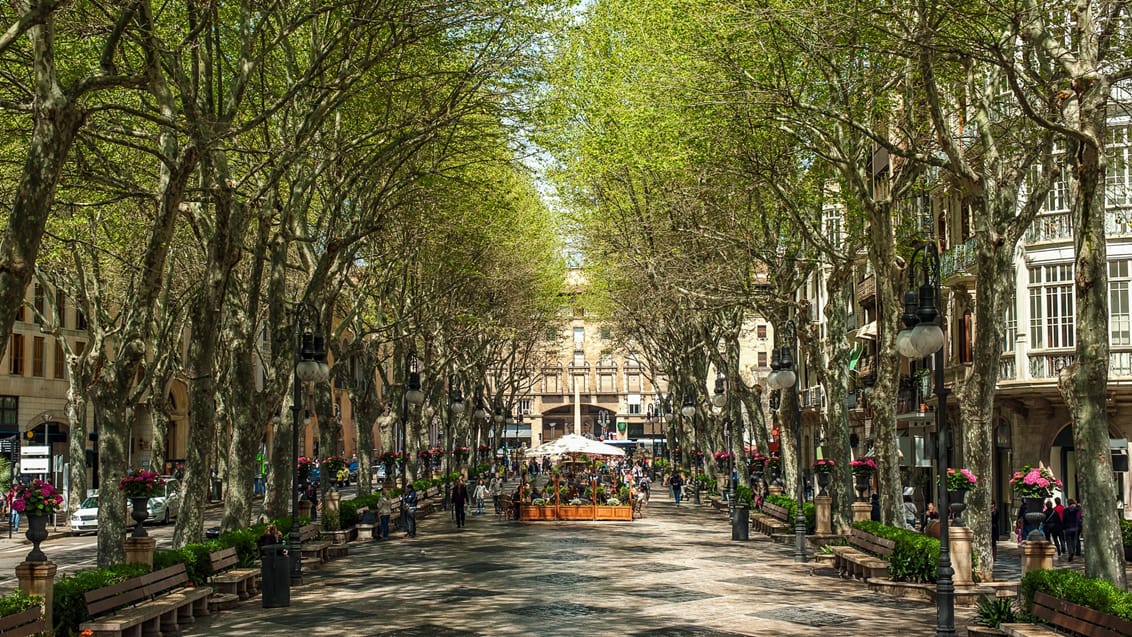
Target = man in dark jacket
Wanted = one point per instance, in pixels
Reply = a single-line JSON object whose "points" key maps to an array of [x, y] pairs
{"points": [[459, 501], [409, 510]]}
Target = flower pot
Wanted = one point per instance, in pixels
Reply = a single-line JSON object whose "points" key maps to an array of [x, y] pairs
{"points": [[139, 512], [956, 505], [1034, 517], [824, 478], [36, 533]]}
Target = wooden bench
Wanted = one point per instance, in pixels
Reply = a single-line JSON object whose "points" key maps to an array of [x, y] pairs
{"points": [[1070, 618], [313, 549], [157, 603], [772, 519], [24, 623], [228, 579], [864, 557]]}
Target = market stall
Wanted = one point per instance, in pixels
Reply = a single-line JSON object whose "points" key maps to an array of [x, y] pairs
{"points": [[575, 489]]}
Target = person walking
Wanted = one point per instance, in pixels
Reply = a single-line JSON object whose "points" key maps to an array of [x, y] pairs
{"points": [[384, 511], [409, 510], [495, 488], [994, 529], [1051, 526], [479, 496], [1071, 529], [459, 501], [676, 481], [13, 513]]}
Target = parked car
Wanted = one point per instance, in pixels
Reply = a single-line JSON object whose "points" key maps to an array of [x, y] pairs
{"points": [[164, 506], [85, 518], [353, 471]]}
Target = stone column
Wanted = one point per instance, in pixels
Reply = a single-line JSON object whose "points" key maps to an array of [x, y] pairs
{"points": [[862, 511], [823, 505], [139, 550], [959, 539], [38, 578], [1036, 555], [330, 505]]}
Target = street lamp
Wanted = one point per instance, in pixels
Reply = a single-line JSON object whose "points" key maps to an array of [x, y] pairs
{"points": [[783, 377], [413, 396], [921, 337], [455, 408], [310, 367], [719, 401]]}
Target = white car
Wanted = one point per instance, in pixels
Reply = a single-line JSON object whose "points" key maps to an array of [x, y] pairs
{"points": [[85, 518]]}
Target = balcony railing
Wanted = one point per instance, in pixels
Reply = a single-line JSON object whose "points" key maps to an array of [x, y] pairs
{"points": [[959, 259], [866, 289], [1049, 365], [1007, 368], [813, 397], [1050, 227]]}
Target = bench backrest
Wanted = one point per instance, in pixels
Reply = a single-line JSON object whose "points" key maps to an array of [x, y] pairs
{"points": [[871, 543], [775, 511], [1081, 620], [135, 590], [308, 532], [24, 623], [223, 559]]}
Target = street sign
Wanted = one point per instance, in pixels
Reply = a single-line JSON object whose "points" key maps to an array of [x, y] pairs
{"points": [[35, 450], [34, 465]]}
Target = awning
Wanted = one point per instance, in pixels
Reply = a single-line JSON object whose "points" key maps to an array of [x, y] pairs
{"points": [[868, 331]]}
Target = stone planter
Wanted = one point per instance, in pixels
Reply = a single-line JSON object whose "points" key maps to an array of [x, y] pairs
{"points": [[619, 512], [36, 533], [139, 512], [1034, 518], [956, 506], [337, 537], [824, 478], [983, 631]]}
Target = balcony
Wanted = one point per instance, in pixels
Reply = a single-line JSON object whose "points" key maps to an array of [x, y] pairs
{"points": [[1048, 366], [812, 398], [1007, 368], [867, 290], [957, 265], [1050, 227]]}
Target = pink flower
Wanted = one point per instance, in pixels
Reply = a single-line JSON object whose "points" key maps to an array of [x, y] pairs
{"points": [[19, 504]]}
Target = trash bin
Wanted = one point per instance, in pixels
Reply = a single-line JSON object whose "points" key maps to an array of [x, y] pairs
{"points": [[217, 485], [741, 523], [275, 576]]}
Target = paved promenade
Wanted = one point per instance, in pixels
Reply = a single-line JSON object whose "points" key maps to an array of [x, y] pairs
{"points": [[675, 572]]}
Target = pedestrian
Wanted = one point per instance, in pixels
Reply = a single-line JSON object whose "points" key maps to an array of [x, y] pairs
{"points": [[929, 515], [1051, 526], [874, 515], [313, 495], [384, 511], [994, 529], [910, 510], [409, 510], [459, 501], [1071, 529], [495, 487], [516, 497], [676, 481], [479, 496], [14, 515], [271, 536]]}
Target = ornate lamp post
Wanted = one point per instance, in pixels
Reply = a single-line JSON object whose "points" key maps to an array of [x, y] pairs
{"points": [[689, 412], [455, 408], [719, 400], [310, 367], [922, 337], [413, 396], [783, 377]]}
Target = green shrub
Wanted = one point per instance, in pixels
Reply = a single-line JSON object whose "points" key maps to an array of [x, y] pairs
{"points": [[70, 607], [745, 495], [193, 556], [994, 611], [808, 510], [17, 602], [915, 556], [1126, 534], [1075, 587]]}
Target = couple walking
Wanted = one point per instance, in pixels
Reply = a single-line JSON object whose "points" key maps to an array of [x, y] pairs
{"points": [[460, 500]]}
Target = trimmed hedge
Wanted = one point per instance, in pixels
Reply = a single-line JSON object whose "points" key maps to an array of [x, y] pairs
{"points": [[808, 510], [18, 602], [915, 556], [1075, 587], [70, 607]]}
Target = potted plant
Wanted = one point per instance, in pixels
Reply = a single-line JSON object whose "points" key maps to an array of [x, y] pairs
{"points": [[823, 467], [1034, 485], [37, 500], [959, 482], [139, 486], [863, 470], [303, 467]]}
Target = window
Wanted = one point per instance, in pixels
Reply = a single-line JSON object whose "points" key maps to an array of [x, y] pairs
{"points": [[965, 327], [579, 358], [579, 337], [1119, 152], [605, 333], [1011, 330], [606, 383], [552, 334], [1051, 306], [80, 347], [10, 412], [60, 367], [60, 309], [16, 355], [634, 404], [579, 312], [550, 383], [760, 331], [633, 382], [831, 225], [20, 313], [1120, 317], [37, 351], [80, 320], [762, 360], [525, 406], [40, 305]]}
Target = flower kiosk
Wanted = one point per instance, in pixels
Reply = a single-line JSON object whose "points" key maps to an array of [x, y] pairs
{"points": [[575, 491]]}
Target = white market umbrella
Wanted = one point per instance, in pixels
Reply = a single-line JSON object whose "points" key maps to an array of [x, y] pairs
{"points": [[573, 444]]}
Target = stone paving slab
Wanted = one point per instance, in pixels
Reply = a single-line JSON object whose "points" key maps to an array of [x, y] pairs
{"points": [[673, 573]]}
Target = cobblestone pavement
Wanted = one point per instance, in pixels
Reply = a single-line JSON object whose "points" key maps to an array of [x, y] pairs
{"points": [[675, 572]]}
